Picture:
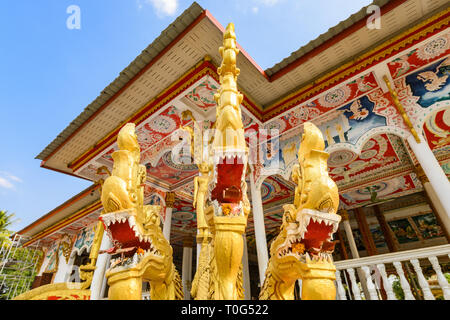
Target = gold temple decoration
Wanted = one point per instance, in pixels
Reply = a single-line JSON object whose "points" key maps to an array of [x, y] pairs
{"points": [[170, 199], [303, 248], [400, 109], [220, 189], [141, 252]]}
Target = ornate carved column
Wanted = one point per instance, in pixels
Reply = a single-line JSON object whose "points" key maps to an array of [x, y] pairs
{"points": [[366, 236], [260, 230], [186, 273], [170, 199], [433, 201]]}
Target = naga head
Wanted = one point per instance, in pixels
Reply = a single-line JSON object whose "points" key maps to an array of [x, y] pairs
{"points": [[308, 225], [229, 149], [312, 139], [134, 228], [305, 238], [137, 241], [127, 138]]}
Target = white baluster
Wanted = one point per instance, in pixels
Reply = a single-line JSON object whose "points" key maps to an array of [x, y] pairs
{"points": [[340, 287], [355, 288], [370, 286], [403, 282], [441, 278], [422, 281], [386, 283]]}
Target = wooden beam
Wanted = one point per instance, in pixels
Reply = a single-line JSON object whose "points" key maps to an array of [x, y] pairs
{"points": [[366, 236], [387, 233]]}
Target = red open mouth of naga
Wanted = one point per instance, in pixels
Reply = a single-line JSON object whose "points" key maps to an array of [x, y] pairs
{"points": [[310, 236], [227, 193], [127, 238]]}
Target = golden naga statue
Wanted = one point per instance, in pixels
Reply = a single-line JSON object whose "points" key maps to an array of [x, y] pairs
{"points": [[140, 251], [226, 206], [303, 249]]}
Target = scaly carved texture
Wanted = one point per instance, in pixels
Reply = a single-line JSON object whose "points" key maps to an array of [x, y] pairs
{"points": [[316, 191], [122, 198]]}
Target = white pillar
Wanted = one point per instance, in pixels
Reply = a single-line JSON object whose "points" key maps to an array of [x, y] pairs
{"points": [[444, 217], [260, 230], [63, 269], [245, 271], [199, 248], [102, 264], [186, 272], [433, 171], [167, 223], [436, 205], [170, 199], [70, 266], [348, 232], [354, 249]]}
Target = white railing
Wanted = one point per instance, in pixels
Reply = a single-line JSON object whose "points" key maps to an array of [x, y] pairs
{"points": [[374, 282], [146, 295]]}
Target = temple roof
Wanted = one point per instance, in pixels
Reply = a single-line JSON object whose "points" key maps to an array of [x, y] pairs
{"points": [[196, 34]]}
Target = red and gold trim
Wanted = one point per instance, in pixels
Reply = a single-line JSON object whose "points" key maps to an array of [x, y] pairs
{"points": [[382, 52]]}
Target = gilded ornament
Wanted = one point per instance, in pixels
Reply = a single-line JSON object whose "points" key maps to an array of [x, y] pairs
{"points": [[303, 248]]}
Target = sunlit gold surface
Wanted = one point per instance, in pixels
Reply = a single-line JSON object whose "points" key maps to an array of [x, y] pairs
{"points": [[122, 196], [220, 229], [316, 194]]}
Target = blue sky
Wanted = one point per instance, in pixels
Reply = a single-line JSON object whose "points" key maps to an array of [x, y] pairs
{"points": [[51, 73]]}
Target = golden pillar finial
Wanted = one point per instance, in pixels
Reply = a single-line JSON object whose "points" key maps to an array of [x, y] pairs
{"points": [[343, 213], [421, 174], [228, 98], [170, 199]]}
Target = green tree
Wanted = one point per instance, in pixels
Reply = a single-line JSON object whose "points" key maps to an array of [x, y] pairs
{"points": [[6, 220], [17, 264]]}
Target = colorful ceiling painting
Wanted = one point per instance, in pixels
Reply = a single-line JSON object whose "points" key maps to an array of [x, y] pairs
{"points": [[403, 230], [381, 191], [436, 129], [428, 226], [202, 95], [377, 154], [170, 171], [326, 102], [425, 53], [275, 189], [430, 84]]}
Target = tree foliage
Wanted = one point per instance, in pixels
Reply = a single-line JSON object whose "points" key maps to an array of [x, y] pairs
{"points": [[17, 264]]}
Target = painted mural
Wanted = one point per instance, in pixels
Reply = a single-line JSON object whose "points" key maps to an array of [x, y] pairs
{"points": [[425, 53], [379, 192], [403, 231], [83, 240], [52, 257], [428, 226], [202, 96]]}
